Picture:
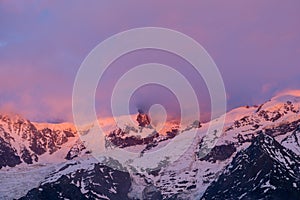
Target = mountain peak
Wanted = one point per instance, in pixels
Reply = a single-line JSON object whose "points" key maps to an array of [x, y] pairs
{"points": [[265, 170], [143, 119], [263, 139]]}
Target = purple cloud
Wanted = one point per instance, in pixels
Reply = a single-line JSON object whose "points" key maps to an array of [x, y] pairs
{"points": [[255, 44]]}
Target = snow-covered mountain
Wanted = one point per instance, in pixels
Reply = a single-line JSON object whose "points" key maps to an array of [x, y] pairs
{"points": [[25, 142], [258, 145], [85, 179], [265, 170]]}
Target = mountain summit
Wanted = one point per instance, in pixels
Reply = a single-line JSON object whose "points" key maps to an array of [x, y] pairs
{"points": [[143, 119]]}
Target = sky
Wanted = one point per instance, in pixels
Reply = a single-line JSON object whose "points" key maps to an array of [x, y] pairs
{"points": [[255, 44]]}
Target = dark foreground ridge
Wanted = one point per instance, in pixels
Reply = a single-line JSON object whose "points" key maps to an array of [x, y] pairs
{"points": [[101, 182], [265, 170]]}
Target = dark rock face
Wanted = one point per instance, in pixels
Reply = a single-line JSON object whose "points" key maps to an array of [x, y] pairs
{"points": [[152, 193], [101, 182], [8, 155], [171, 134], [120, 139], [27, 157], [243, 138], [37, 141], [221, 153], [283, 129], [55, 191], [75, 150], [265, 170], [143, 119]]}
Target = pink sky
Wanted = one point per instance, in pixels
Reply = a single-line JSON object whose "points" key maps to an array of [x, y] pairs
{"points": [[255, 44]]}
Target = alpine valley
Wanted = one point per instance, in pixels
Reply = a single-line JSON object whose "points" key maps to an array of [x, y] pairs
{"points": [[257, 156]]}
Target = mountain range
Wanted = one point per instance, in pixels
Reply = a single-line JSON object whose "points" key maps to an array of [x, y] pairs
{"points": [[255, 157]]}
